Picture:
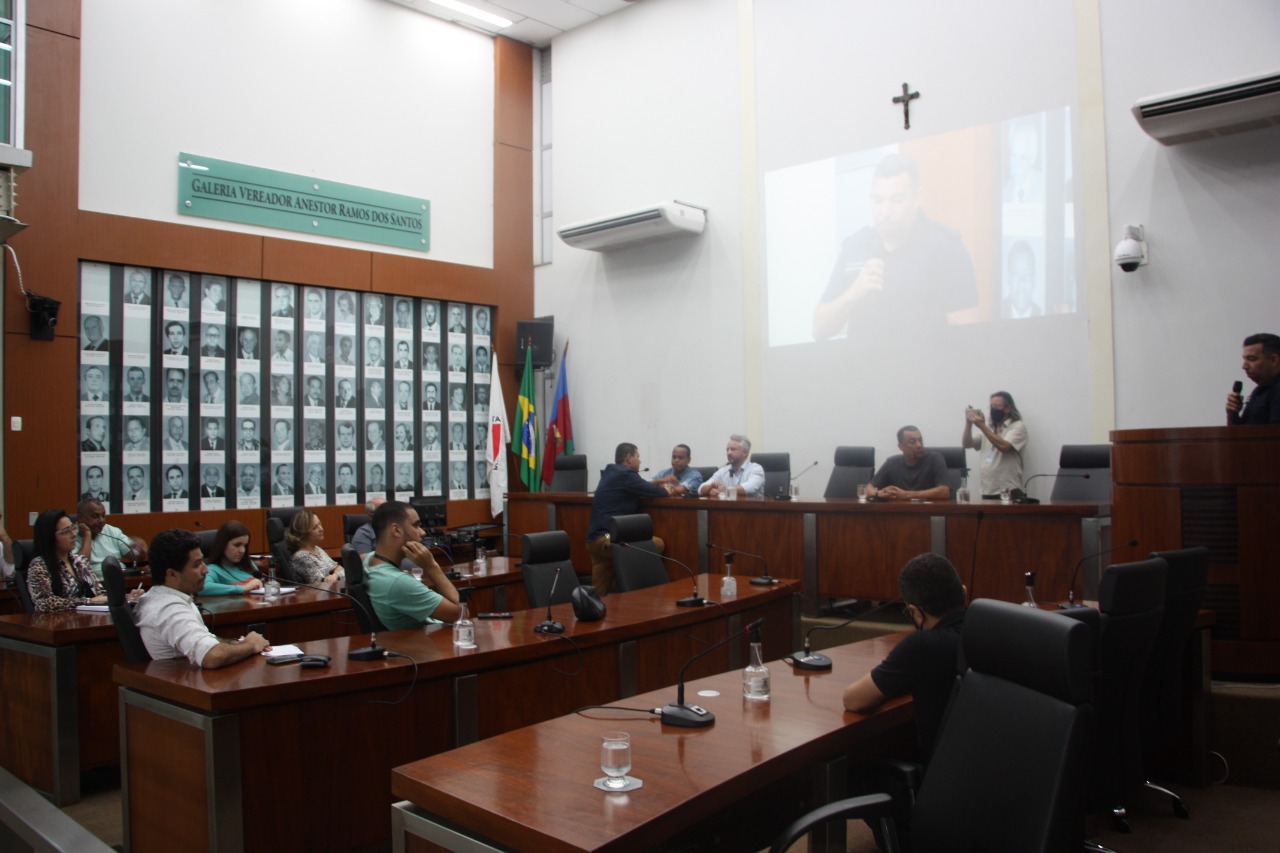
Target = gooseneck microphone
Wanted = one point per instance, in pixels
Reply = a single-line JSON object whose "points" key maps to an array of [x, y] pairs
{"points": [[765, 579], [370, 652], [1071, 591], [695, 716], [549, 625], [1025, 498], [806, 659], [694, 600]]}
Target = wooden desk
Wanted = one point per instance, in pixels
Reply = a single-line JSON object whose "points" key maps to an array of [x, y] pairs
{"points": [[844, 549], [531, 789], [501, 587], [248, 757], [57, 699]]}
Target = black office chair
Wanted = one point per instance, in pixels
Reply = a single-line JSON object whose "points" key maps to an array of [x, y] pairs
{"points": [[570, 474], [1009, 769], [957, 466], [707, 473], [281, 553], [542, 555], [1162, 701], [854, 466], [1131, 602], [206, 538], [23, 551], [352, 523], [777, 472], [135, 651], [636, 565], [353, 567], [1075, 461]]}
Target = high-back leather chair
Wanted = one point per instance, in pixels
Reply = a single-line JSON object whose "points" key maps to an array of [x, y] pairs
{"points": [[706, 472], [1009, 770], [1084, 474], [353, 568], [1161, 702], [853, 467], [352, 523], [1131, 602], [206, 538], [957, 466], [777, 472], [543, 556], [281, 554], [23, 551], [636, 564], [570, 474], [135, 651]]}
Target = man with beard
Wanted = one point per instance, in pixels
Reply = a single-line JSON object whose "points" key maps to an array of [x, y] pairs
{"points": [[1005, 439]]}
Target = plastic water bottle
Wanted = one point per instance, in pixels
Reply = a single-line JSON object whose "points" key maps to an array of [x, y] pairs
{"points": [[728, 584], [271, 590], [482, 560], [464, 630], [755, 678]]}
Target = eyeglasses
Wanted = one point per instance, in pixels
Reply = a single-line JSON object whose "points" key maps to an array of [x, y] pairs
{"points": [[64, 531]]}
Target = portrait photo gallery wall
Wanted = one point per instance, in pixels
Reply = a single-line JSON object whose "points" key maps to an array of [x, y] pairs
{"points": [[208, 392]]}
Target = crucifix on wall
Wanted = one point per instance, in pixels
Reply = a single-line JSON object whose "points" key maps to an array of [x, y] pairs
{"points": [[905, 99]]}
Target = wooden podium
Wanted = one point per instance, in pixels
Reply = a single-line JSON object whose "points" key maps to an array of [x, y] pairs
{"points": [[1219, 487]]}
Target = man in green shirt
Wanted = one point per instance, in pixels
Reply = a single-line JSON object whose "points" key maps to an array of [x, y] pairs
{"points": [[399, 599], [97, 540]]}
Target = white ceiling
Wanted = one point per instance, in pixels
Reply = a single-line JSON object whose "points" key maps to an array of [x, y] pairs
{"points": [[536, 22]]}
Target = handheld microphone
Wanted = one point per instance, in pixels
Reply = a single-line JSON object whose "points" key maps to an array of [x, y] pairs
{"points": [[1071, 591], [1237, 387], [370, 652], [694, 600], [765, 579], [549, 625], [695, 716], [806, 659], [1024, 498]]}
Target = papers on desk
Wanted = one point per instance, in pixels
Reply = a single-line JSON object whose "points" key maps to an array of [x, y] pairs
{"points": [[284, 590], [282, 651], [92, 608]]}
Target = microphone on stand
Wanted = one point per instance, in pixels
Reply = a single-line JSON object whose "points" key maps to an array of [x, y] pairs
{"points": [[791, 481], [765, 579], [695, 716], [370, 652], [1071, 591], [549, 625], [806, 659], [1020, 496], [694, 600]]}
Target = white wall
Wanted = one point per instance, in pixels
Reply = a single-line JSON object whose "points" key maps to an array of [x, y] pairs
{"points": [[1211, 209], [362, 92], [646, 110]]}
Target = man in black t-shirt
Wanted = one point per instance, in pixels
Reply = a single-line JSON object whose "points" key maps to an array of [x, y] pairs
{"points": [[924, 664], [913, 474], [1261, 363]]}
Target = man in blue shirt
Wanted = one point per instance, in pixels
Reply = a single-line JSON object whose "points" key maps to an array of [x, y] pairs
{"points": [[618, 493], [682, 479], [740, 477]]}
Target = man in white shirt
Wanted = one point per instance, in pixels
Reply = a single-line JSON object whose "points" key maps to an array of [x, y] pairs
{"points": [[743, 477], [167, 616], [96, 540]]}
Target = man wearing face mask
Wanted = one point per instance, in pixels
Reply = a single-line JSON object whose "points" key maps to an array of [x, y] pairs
{"points": [[1001, 444], [924, 663]]}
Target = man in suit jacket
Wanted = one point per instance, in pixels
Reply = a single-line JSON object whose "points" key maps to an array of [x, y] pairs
{"points": [[346, 479], [284, 480], [211, 489], [345, 399], [213, 343], [248, 436], [213, 439], [249, 390], [95, 485], [248, 344], [94, 339], [95, 440], [137, 294], [373, 432], [315, 392], [177, 484], [177, 337], [177, 437], [315, 480], [95, 384], [137, 379]]}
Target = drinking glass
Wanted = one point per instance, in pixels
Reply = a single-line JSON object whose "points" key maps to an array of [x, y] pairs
{"points": [[417, 573], [615, 758], [862, 493], [1005, 496]]}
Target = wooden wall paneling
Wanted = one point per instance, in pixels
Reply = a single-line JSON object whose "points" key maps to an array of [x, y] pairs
{"points": [[659, 655], [678, 529], [1051, 546], [772, 535], [430, 279], [99, 708], [546, 689], [25, 706], [1196, 456], [1150, 514], [513, 93], [48, 192], [167, 245], [574, 519], [513, 220], [59, 16], [859, 556], [299, 262], [41, 462]]}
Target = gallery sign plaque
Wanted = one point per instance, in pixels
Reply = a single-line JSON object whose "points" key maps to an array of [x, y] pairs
{"points": [[234, 192]]}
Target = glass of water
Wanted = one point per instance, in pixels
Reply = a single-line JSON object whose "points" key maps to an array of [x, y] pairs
{"points": [[862, 493], [417, 573], [615, 758]]}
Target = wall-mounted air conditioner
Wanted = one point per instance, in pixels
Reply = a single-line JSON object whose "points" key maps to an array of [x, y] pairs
{"points": [[669, 219], [1211, 111]]}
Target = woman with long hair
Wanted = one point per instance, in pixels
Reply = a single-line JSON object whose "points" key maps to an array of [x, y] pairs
{"points": [[231, 572], [58, 578], [310, 563]]}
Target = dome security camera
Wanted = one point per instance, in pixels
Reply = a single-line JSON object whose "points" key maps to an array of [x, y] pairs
{"points": [[1131, 251]]}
